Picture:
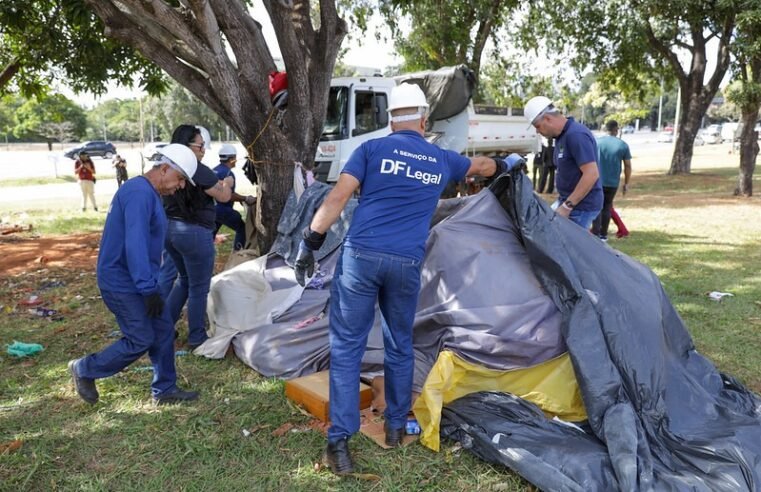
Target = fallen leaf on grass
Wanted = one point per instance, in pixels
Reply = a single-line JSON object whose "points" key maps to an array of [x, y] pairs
{"points": [[280, 431], [365, 476], [9, 447]]}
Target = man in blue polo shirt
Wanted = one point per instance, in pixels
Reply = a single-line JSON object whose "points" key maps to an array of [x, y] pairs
{"points": [[575, 156], [401, 177], [226, 214], [128, 269], [613, 151]]}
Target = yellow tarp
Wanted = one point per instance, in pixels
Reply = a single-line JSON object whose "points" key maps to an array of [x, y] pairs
{"points": [[550, 385]]}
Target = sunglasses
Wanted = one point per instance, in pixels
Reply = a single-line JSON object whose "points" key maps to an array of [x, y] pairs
{"points": [[194, 144]]}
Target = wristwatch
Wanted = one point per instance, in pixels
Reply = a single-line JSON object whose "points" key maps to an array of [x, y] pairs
{"points": [[569, 204]]}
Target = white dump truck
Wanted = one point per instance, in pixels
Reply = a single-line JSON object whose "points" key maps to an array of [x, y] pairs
{"points": [[357, 112]]}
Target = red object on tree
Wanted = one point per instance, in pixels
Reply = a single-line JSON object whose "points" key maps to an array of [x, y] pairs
{"points": [[278, 83]]}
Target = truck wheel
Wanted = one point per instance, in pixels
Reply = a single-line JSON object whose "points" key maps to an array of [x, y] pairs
{"points": [[108, 155]]}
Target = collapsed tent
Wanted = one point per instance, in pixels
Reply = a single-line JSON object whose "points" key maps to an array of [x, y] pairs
{"points": [[661, 417], [516, 300]]}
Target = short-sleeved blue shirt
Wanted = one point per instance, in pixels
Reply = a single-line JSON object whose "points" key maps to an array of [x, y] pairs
{"points": [[222, 171], [612, 151], [573, 147], [401, 178], [133, 239]]}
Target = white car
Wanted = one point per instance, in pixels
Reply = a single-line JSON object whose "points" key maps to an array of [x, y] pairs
{"points": [[711, 135], [665, 136], [152, 148]]}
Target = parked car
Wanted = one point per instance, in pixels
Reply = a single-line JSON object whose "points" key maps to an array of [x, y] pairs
{"points": [[758, 130], [698, 140], [151, 149], [93, 148], [627, 129], [711, 135], [665, 136]]}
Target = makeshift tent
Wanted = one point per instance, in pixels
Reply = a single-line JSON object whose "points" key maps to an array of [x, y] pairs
{"points": [[519, 300]]}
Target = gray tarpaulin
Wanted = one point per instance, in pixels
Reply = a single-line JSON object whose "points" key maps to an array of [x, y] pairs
{"points": [[661, 416], [448, 89], [478, 299]]}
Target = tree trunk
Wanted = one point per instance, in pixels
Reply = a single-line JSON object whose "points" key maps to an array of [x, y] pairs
{"points": [[748, 153], [192, 43], [694, 104]]}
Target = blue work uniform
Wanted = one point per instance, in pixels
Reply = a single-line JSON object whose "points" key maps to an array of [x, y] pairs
{"points": [[573, 147], [226, 214], [401, 177], [128, 266]]}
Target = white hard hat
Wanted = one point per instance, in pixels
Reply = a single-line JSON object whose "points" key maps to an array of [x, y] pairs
{"points": [[227, 150], [535, 107], [206, 137], [407, 96], [181, 158]]}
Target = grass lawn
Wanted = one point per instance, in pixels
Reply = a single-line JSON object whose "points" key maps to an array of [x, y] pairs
{"points": [[688, 229]]}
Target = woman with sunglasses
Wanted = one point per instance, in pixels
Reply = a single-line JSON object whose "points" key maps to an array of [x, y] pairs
{"points": [[190, 238]]}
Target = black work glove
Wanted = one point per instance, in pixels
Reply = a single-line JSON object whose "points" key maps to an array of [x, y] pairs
{"points": [[304, 266], [154, 305]]}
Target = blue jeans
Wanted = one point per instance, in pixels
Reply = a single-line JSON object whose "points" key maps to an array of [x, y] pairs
{"points": [[140, 334], [231, 218], [192, 249], [361, 279], [167, 275], [581, 217]]}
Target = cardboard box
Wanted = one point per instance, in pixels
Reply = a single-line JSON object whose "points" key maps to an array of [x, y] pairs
{"points": [[313, 393]]}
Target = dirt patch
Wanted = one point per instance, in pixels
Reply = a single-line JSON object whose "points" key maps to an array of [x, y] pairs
{"points": [[76, 251]]}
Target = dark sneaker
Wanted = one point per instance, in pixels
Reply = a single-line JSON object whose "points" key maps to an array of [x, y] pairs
{"points": [[85, 386], [178, 396], [338, 457], [393, 436]]}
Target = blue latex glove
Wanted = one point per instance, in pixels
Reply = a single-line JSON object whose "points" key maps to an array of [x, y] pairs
{"points": [[514, 160]]}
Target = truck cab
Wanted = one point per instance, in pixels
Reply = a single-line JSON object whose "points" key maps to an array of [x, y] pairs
{"points": [[356, 113]]}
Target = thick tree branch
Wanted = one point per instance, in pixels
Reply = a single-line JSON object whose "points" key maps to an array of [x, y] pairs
{"points": [[665, 52], [724, 54], [8, 72], [207, 22]]}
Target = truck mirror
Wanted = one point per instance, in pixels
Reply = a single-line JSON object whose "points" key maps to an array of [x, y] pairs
{"points": [[381, 108]]}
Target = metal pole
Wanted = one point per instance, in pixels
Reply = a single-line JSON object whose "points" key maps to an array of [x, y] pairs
{"points": [[678, 111], [660, 106]]}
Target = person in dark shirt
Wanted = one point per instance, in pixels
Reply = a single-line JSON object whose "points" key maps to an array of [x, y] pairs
{"points": [[401, 177], [578, 175], [190, 237], [128, 267], [226, 214]]}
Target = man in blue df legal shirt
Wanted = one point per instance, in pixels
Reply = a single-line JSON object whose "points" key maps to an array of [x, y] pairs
{"points": [[577, 177], [128, 267], [400, 177]]}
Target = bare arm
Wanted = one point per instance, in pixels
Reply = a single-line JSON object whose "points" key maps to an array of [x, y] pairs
{"points": [[589, 175], [221, 191], [334, 203], [627, 174], [482, 166]]}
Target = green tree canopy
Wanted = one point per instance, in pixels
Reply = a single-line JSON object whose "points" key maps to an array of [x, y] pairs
{"points": [[43, 40], [33, 117]]}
